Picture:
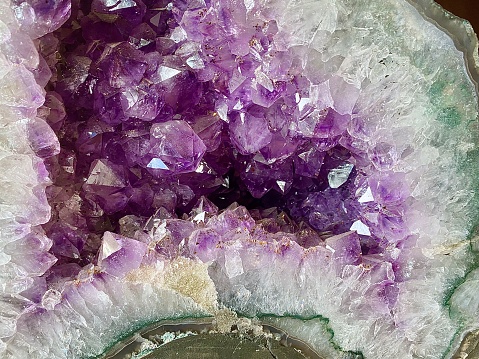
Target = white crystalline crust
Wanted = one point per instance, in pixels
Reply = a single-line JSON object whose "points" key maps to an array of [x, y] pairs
{"points": [[407, 85], [94, 313], [23, 177], [410, 75]]}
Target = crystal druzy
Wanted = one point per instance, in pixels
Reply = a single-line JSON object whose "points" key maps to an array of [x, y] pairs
{"points": [[309, 164]]}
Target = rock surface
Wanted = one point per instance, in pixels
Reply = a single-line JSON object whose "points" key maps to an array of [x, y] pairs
{"points": [[311, 162]]}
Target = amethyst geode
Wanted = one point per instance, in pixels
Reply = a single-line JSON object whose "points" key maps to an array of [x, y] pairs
{"points": [[310, 165]]}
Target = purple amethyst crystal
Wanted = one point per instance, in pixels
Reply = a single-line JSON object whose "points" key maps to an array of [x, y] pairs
{"points": [[40, 17], [119, 255], [175, 148]]}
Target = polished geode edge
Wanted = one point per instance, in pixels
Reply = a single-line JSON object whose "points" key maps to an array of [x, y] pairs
{"points": [[456, 28], [133, 342], [225, 322]]}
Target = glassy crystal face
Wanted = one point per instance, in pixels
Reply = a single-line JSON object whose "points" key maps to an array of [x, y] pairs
{"points": [[311, 166]]}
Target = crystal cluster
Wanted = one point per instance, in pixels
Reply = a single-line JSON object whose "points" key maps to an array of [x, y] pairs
{"points": [[162, 112], [305, 162]]}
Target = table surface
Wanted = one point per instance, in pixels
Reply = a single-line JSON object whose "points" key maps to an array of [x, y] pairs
{"points": [[467, 9]]}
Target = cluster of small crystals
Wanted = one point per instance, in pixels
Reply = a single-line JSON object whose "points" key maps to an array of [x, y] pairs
{"points": [[24, 247], [157, 104], [254, 155]]}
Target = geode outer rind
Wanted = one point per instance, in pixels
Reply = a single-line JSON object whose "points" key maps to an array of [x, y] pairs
{"points": [[414, 130]]}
